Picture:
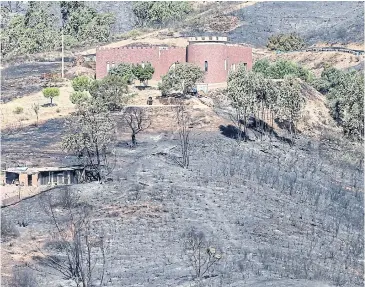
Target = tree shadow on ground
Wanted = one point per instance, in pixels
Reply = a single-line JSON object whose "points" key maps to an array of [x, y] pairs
{"points": [[257, 128], [230, 131], [285, 125], [48, 105]]}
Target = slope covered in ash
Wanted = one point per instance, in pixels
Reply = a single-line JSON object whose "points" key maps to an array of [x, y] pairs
{"points": [[334, 22]]}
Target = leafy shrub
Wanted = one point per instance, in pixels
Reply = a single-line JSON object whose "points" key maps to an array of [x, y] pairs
{"points": [[110, 91], [261, 66], [81, 83], [78, 97], [125, 71], [50, 93], [285, 42], [282, 68], [345, 99], [143, 72], [18, 110], [182, 77]]}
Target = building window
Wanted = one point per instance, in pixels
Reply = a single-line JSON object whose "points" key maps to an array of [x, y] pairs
{"points": [[245, 65], [107, 66], [113, 65], [206, 66], [225, 65], [142, 64]]}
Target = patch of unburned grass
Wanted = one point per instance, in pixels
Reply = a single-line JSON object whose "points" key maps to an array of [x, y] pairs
{"points": [[28, 117]]}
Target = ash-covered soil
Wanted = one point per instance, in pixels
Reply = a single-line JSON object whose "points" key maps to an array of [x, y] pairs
{"points": [[316, 21], [282, 216], [23, 79]]}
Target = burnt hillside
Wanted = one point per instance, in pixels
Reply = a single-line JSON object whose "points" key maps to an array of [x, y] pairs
{"points": [[320, 21]]}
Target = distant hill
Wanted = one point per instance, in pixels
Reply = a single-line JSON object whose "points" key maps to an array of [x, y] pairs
{"points": [[252, 22], [319, 21]]}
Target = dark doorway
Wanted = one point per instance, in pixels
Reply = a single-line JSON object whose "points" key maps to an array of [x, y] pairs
{"points": [[29, 180], [206, 66], [11, 178]]}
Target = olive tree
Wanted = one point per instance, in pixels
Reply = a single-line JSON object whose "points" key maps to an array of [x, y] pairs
{"points": [[90, 135], [346, 103], [78, 97], [285, 42], [143, 72], [81, 83], [181, 77], [51, 93], [125, 71], [111, 90]]}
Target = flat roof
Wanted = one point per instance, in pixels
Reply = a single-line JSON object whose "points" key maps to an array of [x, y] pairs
{"points": [[30, 170]]}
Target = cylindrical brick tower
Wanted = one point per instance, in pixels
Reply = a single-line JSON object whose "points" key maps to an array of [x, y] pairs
{"points": [[217, 57]]}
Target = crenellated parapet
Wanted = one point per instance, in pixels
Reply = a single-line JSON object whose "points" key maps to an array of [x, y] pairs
{"points": [[137, 48]]}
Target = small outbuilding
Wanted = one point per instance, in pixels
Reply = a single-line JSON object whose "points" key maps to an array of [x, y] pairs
{"points": [[38, 176]]}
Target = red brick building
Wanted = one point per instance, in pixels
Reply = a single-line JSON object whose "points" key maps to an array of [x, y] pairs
{"points": [[213, 54]]}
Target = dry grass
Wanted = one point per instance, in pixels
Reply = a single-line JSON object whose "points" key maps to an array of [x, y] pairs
{"points": [[28, 117]]}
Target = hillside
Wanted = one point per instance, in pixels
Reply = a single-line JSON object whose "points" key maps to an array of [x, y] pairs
{"points": [[265, 211], [251, 22], [331, 22], [253, 183]]}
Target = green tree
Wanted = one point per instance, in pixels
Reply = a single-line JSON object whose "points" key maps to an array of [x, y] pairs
{"points": [[143, 72], [38, 30], [112, 91], [68, 7], [148, 13], [78, 97], [85, 24], [34, 32], [51, 93], [125, 71], [261, 66], [330, 78], [290, 102], [282, 68], [81, 83], [285, 42], [346, 103], [182, 78], [251, 94], [90, 135]]}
